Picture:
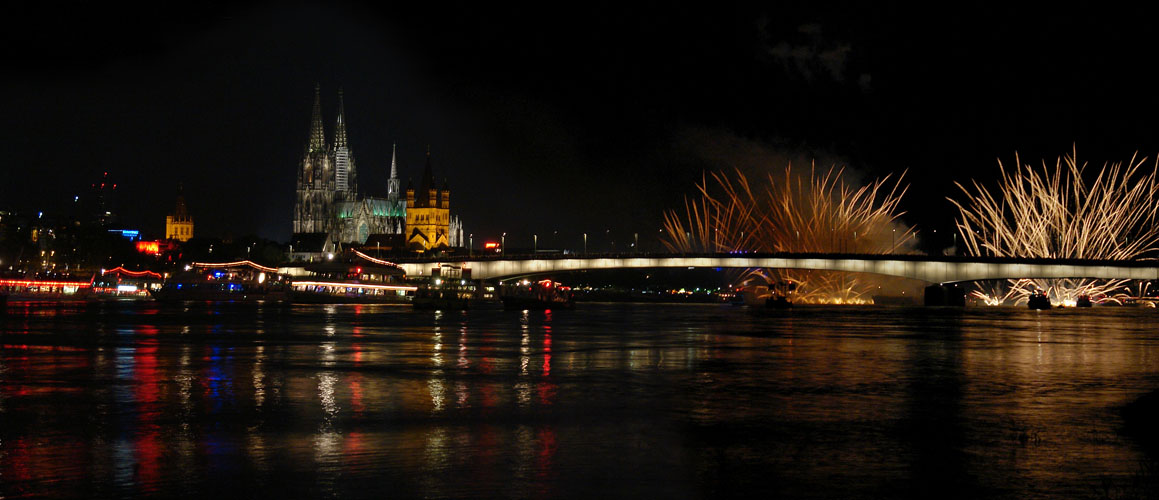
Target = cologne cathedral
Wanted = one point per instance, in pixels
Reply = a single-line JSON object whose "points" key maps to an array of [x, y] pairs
{"points": [[329, 214]]}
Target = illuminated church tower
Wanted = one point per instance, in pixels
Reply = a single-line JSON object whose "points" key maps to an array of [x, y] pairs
{"points": [[316, 181], [179, 225], [429, 224]]}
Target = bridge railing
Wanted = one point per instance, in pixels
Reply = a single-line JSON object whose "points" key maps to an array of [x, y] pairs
{"points": [[485, 257]]}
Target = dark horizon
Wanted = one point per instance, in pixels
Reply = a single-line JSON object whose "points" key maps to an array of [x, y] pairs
{"points": [[598, 120]]}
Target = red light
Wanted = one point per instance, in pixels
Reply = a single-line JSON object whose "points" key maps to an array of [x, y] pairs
{"points": [[149, 247], [490, 244], [358, 270], [122, 270], [78, 284]]}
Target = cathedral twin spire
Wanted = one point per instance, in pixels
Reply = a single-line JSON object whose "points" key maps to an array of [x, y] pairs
{"points": [[340, 127], [317, 132], [345, 176]]}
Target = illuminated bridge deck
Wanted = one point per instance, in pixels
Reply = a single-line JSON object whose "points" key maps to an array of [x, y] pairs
{"points": [[919, 267]]}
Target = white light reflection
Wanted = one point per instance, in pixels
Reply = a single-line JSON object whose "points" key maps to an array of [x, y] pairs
{"points": [[438, 394], [259, 376], [326, 382], [524, 352]]}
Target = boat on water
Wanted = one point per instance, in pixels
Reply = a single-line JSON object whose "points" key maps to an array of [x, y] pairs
{"points": [[242, 281], [47, 290], [778, 302], [122, 284], [448, 287], [1038, 301], [539, 295], [1083, 301], [775, 295], [357, 279]]}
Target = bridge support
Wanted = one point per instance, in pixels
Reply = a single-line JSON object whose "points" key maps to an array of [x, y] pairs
{"points": [[945, 295]]}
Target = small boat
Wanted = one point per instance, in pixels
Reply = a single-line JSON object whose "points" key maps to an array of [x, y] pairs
{"points": [[1038, 301], [778, 302], [540, 295], [449, 287], [1083, 301], [243, 281], [781, 292]]}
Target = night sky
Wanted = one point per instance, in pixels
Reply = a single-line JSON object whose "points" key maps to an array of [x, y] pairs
{"points": [[591, 118]]}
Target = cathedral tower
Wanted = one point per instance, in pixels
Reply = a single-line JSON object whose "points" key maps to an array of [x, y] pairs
{"points": [[345, 174], [316, 182]]}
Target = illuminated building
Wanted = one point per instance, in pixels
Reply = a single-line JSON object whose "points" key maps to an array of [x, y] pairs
{"points": [[429, 224], [328, 211], [179, 224]]}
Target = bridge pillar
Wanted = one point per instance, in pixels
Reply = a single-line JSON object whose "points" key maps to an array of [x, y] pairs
{"points": [[945, 295]]}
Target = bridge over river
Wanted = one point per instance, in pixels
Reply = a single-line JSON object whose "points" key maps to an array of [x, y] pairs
{"points": [[932, 269]]}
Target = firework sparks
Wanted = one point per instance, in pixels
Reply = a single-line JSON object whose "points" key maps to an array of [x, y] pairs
{"points": [[817, 212], [1054, 212]]}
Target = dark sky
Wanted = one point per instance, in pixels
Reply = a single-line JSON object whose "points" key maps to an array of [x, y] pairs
{"points": [[592, 118]]}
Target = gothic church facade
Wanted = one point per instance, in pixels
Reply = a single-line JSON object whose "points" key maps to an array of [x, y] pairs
{"points": [[328, 212]]}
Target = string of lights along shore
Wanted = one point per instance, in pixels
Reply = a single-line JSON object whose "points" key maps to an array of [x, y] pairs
{"points": [[329, 212]]}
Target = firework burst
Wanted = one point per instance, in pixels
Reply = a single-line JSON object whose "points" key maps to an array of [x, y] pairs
{"points": [[816, 213], [1055, 212]]}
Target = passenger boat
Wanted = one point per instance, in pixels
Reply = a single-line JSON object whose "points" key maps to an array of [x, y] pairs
{"points": [[122, 284], [540, 295], [358, 279], [242, 281], [50, 290], [448, 287], [1038, 300], [1083, 301]]}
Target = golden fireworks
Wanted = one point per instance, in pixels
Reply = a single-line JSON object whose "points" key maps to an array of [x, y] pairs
{"points": [[814, 213], [1054, 212]]}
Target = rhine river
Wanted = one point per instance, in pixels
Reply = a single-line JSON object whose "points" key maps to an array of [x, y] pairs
{"points": [[607, 400]]}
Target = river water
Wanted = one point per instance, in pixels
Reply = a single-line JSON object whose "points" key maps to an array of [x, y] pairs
{"points": [[607, 400]]}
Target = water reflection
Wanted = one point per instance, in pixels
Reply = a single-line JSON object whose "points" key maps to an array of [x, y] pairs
{"points": [[652, 400]]}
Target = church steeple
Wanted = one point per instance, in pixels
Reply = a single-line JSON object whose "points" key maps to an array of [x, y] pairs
{"points": [[345, 174], [317, 133], [340, 127], [392, 191]]}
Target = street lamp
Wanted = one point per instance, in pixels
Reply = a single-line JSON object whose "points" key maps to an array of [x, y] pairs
{"points": [[585, 243], [503, 244], [535, 243], [470, 243], [636, 241]]}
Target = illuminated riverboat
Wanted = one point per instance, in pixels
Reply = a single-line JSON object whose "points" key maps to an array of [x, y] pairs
{"points": [[448, 287], [122, 284], [242, 281], [362, 279], [539, 295], [45, 290]]}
